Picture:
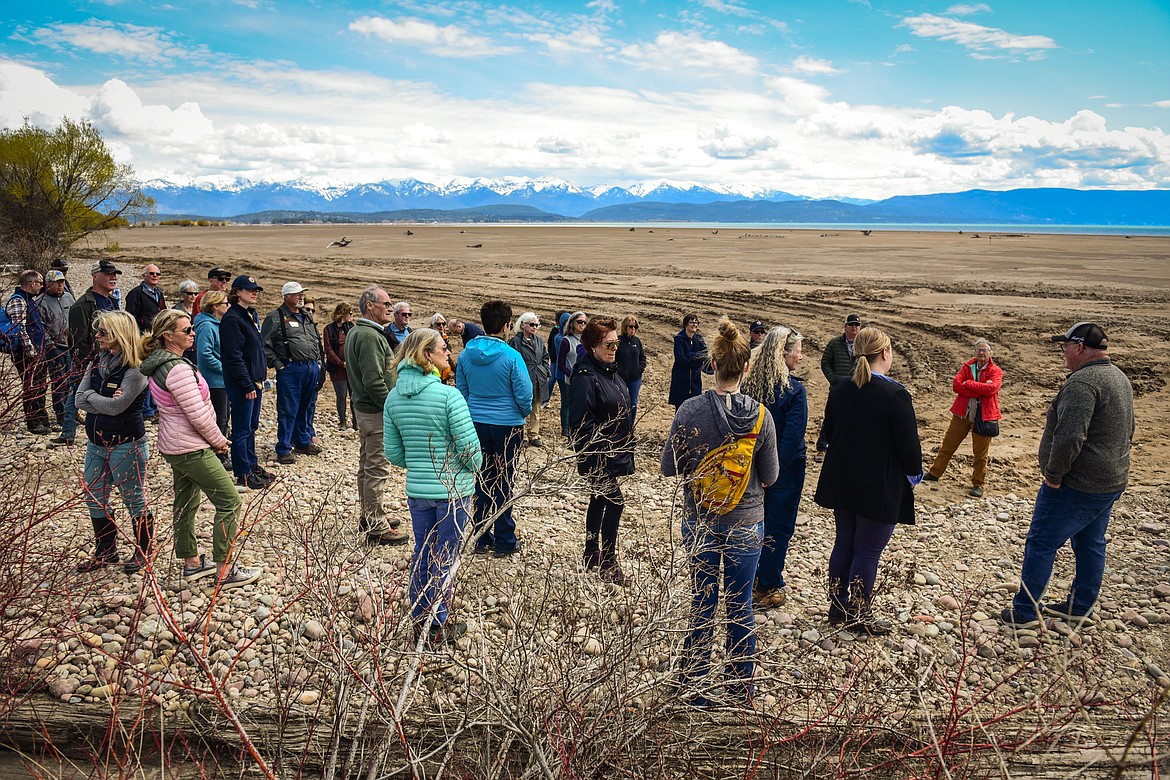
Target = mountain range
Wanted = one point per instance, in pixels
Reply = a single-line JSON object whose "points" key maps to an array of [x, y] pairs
{"points": [[554, 200]]}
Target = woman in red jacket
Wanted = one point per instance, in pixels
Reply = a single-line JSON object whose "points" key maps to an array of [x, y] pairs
{"points": [[976, 387]]}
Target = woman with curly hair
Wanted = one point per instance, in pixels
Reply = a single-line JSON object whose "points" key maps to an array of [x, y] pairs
{"points": [[771, 382]]}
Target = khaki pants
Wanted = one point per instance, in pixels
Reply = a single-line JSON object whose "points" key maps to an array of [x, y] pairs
{"points": [[373, 474], [532, 423], [980, 445]]}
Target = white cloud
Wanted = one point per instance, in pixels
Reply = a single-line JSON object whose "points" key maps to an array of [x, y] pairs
{"points": [[1162, 103], [28, 92], [727, 7], [813, 66], [673, 50], [976, 37], [581, 40], [118, 111], [445, 41], [968, 9], [126, 41]]}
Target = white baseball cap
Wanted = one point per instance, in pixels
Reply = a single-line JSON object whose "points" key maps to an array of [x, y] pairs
{"points": [[292, 288]]}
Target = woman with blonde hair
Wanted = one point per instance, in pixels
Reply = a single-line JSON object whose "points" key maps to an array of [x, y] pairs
{"points": [[771, 382], [727, 533], [189, 441], [111, 394], [427, 429], [868, 478]]}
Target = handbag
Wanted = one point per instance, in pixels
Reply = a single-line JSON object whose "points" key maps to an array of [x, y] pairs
{"points": [[988, 428]]}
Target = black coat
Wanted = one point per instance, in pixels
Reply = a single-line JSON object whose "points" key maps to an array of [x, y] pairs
{"points": [[690, 359], [873, 446], [241, 349], [631, 358], [599, 419], [144, 306]]}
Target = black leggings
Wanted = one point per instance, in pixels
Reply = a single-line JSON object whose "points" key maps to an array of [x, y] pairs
{"points": [[603, 517]]}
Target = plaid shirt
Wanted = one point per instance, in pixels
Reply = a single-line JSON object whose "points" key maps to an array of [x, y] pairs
{"points": [[17, 308]]}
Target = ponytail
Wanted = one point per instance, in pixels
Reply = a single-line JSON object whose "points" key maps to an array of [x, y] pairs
{"points": [[869, 344]]}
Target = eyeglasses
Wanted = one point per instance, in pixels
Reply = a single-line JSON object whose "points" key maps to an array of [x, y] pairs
{"points": [[578, 322], [443, 348], [222, 278], [631, 327], [102, 332], [439, 324], [153, 273], [405, 314], [309, 309], [190, 292], [533, 324], [610, 344]]}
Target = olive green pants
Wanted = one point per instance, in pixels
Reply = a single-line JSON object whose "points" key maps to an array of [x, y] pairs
{"points": [[202, 472]]}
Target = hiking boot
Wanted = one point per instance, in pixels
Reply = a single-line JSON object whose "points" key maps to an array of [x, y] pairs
{"points": [[135, 564], [286, 459], [869, 626], [1011, 618], [1064, 611], [202, 569], [40, 429], [775, 597], [507, 553], [446, 633], [591, 559], [975, 492], [253, 481], [60, 441], [310, 449], [928, 477], [392, 536], [612, 572]]}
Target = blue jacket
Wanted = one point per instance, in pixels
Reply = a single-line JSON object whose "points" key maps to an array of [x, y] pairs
{"points": [[690, 361], [494, 380], [241, 350], [207, 349], [428, 431], [790, 413], [554, 346]]}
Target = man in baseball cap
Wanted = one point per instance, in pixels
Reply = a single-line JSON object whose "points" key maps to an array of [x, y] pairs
{"points": [[1089, 334], [217, 279], [758, 330]]}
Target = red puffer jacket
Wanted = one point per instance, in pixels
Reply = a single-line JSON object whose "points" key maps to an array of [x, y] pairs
{"points": [[986, 390]]}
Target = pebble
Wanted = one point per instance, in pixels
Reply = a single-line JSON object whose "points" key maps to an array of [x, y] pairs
{"points": [[314, 630], [308, 698]]}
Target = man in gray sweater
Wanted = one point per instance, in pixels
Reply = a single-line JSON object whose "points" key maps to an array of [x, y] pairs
{"points": [[1084, 460]]}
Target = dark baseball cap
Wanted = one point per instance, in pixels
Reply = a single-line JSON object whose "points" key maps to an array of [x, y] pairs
{"points": [[853, 319], [104, 267], [1087, 333], [219, 273], [246, 282], [60, 263], [758, 326]]}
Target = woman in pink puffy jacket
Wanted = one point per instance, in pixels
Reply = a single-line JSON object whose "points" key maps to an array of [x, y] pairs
{"points": [[190, 441]]}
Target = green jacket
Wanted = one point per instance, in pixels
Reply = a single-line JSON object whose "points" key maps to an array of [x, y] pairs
{"points": [[290, 338], [428, 430], [367, 361], [836, 361]]}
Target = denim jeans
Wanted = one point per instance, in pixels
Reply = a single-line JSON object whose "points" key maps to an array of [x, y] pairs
{"points": [[122, 466], [493, 485], [564, 386], [635, 388], [64, 383], [737, 549], [1061, 516], [781, 501], [438, 534], [245, 422], [296, 401]]}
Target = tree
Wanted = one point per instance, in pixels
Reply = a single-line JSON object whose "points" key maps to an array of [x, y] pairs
{"points": [[58, 186]]}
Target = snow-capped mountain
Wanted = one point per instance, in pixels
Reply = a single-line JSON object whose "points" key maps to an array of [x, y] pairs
{"points": [[225, 197]]}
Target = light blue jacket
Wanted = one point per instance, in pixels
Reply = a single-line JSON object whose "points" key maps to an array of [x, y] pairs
{"points": [[428, 430], [494, 380], [207, 349]]}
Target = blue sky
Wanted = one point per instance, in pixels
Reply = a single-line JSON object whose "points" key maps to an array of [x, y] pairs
{"points": [[833, 98]]}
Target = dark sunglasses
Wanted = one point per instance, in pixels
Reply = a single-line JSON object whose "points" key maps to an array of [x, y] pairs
{"points": [[188, 330]]}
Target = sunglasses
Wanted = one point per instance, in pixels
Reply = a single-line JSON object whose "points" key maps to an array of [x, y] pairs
{"points": [[102, 332], [188, 330], [405, 314], [578, 322], [309, 309], [190, 292], [610, 344], [153, 273]]}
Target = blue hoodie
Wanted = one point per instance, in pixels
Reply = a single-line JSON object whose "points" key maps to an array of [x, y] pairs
{"points": [[207, 354], [494, 380]]}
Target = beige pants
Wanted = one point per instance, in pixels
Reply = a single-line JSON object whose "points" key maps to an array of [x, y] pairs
{"points": [[980, 446], [373, 474]]}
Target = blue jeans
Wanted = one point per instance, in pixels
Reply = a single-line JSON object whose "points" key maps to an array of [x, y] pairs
{"points": [[853, 564], [245, 422], [737, 548], [635, 388], [1060, 516], [148, 406], [122, 466], [493, 485], [64, 385], [296, 400], [781, 501], [438, 534]]}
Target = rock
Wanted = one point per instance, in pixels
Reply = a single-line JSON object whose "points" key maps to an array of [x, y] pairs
{"points": [[947, 602], [314, 630], [309, 698], [591, 647], [919, 579], [363, 608], [1152, 528], [1162, 591], [104, 691]]}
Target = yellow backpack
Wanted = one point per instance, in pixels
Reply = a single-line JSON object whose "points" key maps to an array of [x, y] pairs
{"points": [[722, 476]]}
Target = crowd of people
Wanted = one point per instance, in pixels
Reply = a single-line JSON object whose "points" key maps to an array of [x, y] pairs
{"points": [[456, 424]]}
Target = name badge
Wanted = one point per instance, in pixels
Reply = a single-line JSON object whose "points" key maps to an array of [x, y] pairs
{"points": [[293, 323], [111, 385]]}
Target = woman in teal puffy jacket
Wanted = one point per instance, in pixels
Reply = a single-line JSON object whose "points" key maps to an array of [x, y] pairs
{"points": [[429, 432]]}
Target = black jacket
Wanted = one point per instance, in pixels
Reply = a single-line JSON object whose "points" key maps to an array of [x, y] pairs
{"points": [[873, 446], [631, 358], [241, 350], [599, 419], [144, 306]]}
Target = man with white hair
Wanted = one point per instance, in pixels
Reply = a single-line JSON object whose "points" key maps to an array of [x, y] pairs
{"points": [[145, 302], [400, 327], [293, 347]]}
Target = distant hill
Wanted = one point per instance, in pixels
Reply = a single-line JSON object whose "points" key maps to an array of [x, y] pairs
{"points": [[518, 199]]}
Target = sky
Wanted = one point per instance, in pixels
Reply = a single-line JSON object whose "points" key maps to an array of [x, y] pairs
{"points": [[824, 98]]}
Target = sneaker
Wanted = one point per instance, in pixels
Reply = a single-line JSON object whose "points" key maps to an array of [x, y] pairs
{"points": [[40, 430], [135, 564], [507, 553], [928, 477], [482, 549], [60, 441], [975, 492], [535, 443], [238, 578], [310, 449], [1064, 611], [253, 481], [287, 459], [95, 563], [869, 627], [202, 569], [1010, 617], [446, 633], [393, 536]]}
